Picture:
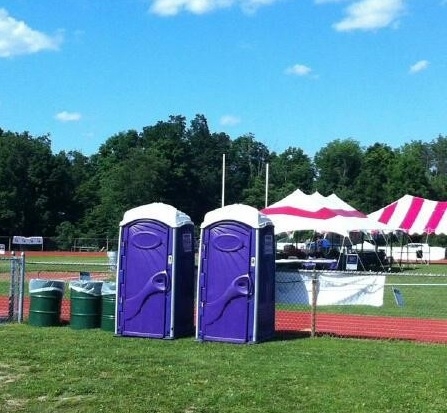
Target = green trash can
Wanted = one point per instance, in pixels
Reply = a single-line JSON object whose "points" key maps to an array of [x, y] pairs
{"points": [[85, 304], [45, 302], [108, 294]]}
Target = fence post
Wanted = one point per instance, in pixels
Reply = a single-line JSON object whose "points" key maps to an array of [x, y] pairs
{"points": [[12, 287], [315, 288], [21, 287]]}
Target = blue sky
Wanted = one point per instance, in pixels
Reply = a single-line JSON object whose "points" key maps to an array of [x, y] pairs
{"points": [[298, 73]]}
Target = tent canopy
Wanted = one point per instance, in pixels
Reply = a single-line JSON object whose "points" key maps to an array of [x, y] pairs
{"points": [[414, 215], [298, 211]]}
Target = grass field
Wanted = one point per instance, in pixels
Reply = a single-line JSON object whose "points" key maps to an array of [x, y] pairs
{"points": [[64, 370], [60, 369]]}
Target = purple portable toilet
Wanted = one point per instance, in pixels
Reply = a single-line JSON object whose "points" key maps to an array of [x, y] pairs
{"points": [[236, 276], [155, 275]]}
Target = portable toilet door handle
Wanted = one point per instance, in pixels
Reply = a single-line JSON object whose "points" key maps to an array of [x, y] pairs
{"points": [[158, 283], [240, 287], [243, 285]]}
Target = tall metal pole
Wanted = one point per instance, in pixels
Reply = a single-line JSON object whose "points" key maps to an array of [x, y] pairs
{"points": [[223, 180], [266, 184]]}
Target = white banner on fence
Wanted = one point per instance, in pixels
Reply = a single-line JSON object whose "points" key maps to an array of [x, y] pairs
{"points": [[347, 290], [17, 239], [295, 288]]}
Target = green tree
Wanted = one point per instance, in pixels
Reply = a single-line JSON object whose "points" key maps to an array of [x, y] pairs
{"points": [[169, 141], [289, 171], [372, 182], [205, 171], [32, 186], [438, 167], [410, 172], [84, 177], [338, 165], [246, 167], [101, 183]]}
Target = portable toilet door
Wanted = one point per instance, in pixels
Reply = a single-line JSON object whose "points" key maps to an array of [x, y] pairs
{"points": [[155, 277], [235, 286]]}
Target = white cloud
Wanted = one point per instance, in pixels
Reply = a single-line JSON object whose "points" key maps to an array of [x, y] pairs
{"points": [[298, 70], [419, 66], [173, 7], [229, 120], [327, 1], [68, 116], [16, 38], [371, 15]]}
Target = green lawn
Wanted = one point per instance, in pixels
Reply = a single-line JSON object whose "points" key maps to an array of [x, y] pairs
{"points": [[59, 369], [65, 370]]}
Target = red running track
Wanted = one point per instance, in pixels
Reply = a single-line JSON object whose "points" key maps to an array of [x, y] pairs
{"points": [[362, 326]]}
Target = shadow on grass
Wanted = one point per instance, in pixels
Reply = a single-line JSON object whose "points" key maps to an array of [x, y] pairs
{"points": [[284, 335]]}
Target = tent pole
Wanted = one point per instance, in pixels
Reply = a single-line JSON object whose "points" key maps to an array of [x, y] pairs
{"points": [[315, 288]]}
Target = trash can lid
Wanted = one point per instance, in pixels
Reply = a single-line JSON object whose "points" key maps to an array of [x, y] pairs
{"points": [[39, 285], [87, 287], [108, 288]]}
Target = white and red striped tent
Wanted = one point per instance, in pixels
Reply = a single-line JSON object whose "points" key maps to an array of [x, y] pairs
{"points": [[299, 211], [414, 215]]}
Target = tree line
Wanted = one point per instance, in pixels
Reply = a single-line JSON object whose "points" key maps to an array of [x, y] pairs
{"points": [[69, 195]]}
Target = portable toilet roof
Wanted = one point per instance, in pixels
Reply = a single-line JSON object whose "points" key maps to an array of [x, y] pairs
{"points": [[237, 212], [159, 211]]}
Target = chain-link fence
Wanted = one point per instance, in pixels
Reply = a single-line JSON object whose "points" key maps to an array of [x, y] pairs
{"points": [[16, 274], [403, 305], [12, 279], [362, 304]]}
